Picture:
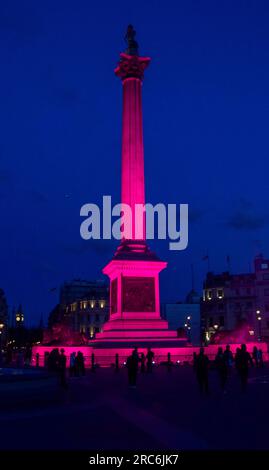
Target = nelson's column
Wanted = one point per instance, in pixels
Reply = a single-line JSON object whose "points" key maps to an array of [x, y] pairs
{"points": [[134, 269]]}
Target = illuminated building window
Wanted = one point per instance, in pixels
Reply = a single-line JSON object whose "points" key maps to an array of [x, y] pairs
{"points": [[209, 295], [92, 303], [220, 294], [84, 305], [203, 295], [102, 303]]}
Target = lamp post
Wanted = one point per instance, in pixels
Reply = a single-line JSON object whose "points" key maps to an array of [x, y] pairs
{"points": [[259, 318], [188, 327]]}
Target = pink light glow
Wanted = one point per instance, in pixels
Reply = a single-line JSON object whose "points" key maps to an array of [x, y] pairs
{"points": [[106, 356]]}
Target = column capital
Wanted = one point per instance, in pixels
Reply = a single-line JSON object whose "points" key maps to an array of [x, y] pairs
{"points": [[131, 66]]}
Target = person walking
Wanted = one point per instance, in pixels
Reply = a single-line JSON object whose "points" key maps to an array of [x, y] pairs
{"points": [[260, 358], [132, 367], [62, 369], [255, 356], [143, 363], [222, 368], [243, 361], [72, 364], [228, 358], [202, 364], [81, 363], [150, 357]]}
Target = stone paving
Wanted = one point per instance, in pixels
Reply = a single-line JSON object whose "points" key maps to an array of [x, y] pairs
{"points": [[165, 411]]}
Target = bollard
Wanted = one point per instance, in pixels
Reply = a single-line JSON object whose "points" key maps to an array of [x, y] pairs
{"points": [[169, 362]]}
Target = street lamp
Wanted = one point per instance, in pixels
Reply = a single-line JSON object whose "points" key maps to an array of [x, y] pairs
{"points": [[187, 325], [259, 318]]}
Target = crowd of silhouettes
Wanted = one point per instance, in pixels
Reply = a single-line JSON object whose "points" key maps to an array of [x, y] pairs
{"points": [[224, 362], [146, 364], [56, 361]]}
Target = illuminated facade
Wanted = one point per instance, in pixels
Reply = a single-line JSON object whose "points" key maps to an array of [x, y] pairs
{"points": [[83, 307], [231, 300], [88, 315]]}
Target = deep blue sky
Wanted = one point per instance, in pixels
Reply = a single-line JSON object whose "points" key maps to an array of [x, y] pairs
{"points": [[206, 105]]}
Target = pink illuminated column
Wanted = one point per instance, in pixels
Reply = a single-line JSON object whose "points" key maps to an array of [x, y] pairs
{"points": [[131, 70]]}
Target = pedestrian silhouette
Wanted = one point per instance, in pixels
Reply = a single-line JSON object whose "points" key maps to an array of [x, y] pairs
{"points": [[222, 368], [255, 355], [143, 363], [260, 358], [132, 367], [149, 356], [62, 369], [72, 368], [243, 359], [202, 364]]}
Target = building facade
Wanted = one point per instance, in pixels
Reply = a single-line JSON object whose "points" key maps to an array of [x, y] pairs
{"points": [[83, 306], [232, 300]]}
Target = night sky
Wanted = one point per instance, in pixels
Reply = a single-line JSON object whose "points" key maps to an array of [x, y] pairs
{"points": [[206, 105]]}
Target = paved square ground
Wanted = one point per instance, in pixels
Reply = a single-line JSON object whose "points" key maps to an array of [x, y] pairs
{"points": [[165, 411]]}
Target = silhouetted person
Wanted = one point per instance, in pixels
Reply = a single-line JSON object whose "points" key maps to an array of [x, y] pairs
{"points": [[132, 367], [28, 355], [135, 353], [149, 356], [37, 356], [80, 364], [143, 363], [243, 361], [222, 368], [255, 355], [202, 364], [53, 360], [62, 369], [169, 362], [260, 358], [72, 366], [228, 357]]}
